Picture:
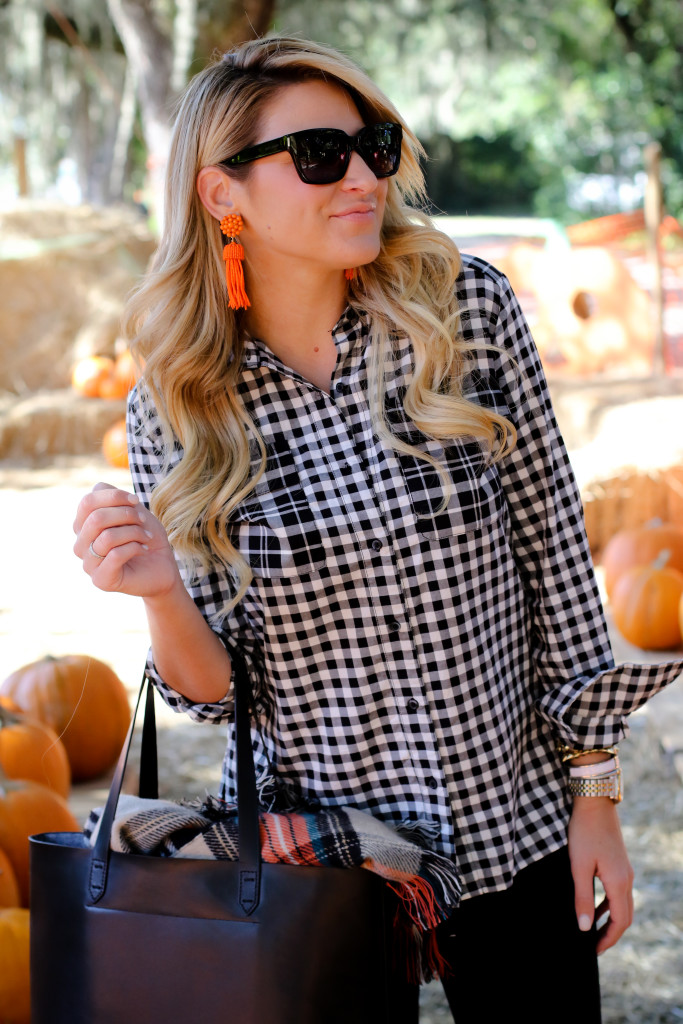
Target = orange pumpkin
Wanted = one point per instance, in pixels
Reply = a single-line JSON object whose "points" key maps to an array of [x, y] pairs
{"points": [[27, 808], [112, 387], [9, 889], [83, 700], [645, 605], [88, 374], [126, 369], [115, 445], [15, 989], [641, 546], [29, 749]]}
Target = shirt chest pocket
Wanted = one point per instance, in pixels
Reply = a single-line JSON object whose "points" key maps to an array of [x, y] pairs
{"points": [[275, 528], [476, 497]]}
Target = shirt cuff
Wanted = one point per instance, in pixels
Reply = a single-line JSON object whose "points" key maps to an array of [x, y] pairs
{"points": [[589, 711], [214, 712]]}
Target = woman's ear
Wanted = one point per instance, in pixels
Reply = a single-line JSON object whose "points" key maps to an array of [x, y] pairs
{"points": [[214, 190]]}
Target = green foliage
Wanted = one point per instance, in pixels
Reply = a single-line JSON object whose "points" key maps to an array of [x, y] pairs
{"points": [[519, 102], [481, 176], [575, 87]]}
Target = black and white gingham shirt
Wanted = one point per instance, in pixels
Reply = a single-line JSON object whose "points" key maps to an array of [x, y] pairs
{"points": [[417, 663]]}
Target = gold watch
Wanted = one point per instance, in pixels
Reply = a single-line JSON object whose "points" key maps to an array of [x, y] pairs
{"points": [[599, 785]]}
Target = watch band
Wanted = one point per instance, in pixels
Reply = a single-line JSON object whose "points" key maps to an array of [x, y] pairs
{"points": [[606, 785]]}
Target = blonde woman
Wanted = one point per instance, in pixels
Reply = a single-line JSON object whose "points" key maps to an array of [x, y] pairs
{"points": [[354, 478]]}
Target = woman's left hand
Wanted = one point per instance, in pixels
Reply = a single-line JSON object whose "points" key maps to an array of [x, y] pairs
{"points": [[596, 849]]}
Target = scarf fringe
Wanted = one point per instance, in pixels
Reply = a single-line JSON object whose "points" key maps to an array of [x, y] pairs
{"points": [[423, 833], [418, 915], [417, 953]]}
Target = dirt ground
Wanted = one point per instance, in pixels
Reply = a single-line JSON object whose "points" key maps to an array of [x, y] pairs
{"points": [[48, 606]]}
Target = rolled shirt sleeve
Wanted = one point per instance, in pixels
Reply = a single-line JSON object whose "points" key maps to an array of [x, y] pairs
{"points": [[577, 687], [589, 711]]}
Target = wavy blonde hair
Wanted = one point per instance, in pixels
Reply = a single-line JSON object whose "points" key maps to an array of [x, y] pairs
{"points": [[191, 343]]}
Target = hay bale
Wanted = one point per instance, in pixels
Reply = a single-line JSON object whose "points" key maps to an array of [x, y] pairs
{"points": [[64, 276], [55, 423], [629, 500]]}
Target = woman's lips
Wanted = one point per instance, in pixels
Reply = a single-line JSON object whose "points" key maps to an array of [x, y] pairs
{"points": [[356, 211]]}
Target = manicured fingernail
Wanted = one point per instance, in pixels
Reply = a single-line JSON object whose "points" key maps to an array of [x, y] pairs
{"points": [[148, 534], [585, 923], [145, 547], [133, 499]]}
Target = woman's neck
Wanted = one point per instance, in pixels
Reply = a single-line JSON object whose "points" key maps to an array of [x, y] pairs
{"points": [[295, 319]]}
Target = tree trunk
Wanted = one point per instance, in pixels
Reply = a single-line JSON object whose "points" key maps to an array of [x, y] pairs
{"points": [[252, 19], [154, 58], [245, 19], [82, 134], [20, 168], [149, 52], [184, 39], [124, 132], [653, 219]]}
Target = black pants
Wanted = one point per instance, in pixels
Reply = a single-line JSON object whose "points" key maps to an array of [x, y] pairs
{"points": [[518, 953]]}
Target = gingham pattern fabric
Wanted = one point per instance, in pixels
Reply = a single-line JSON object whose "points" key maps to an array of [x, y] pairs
{"points": [[417, 664]]}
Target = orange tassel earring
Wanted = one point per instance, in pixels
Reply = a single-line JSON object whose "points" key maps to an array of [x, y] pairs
{"points": [[233, 254], [351, 274]]}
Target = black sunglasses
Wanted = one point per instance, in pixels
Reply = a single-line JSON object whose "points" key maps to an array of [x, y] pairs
{"points": [[322, 155]]}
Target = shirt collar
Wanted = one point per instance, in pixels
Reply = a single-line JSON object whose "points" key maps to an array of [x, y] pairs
{"points": [[351, 325]]}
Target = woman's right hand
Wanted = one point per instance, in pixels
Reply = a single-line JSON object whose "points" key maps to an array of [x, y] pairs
{"points": [[123, 547]]}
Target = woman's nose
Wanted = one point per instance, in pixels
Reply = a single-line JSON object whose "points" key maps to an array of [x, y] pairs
{"points": [[359, 175]]}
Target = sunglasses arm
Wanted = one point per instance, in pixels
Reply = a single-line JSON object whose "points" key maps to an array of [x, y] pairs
{"points": [[256, 152]]}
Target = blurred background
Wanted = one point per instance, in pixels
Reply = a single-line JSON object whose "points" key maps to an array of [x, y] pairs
{"points": [[554, 136], [554, 142], [526, 107]]}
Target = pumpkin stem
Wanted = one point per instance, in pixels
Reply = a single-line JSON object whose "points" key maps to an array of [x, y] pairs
{"points": [[661, 559]]}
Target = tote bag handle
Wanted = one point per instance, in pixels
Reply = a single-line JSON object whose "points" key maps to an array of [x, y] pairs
{"points": [[247, 797]]}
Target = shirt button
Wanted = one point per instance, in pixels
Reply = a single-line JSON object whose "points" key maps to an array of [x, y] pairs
{"points": [[412, 704], [432, 783], [341, 388], [394, 626], [376, 544]]}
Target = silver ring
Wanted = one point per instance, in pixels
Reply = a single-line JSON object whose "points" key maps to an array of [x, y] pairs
{"points": [[93, 552]]}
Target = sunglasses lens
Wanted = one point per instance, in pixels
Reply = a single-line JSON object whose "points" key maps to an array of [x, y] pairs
{"points": [[380, 147], [322, 157]]}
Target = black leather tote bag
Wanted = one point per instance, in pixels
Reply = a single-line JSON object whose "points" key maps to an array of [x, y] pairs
{"points": [[126, 938]]}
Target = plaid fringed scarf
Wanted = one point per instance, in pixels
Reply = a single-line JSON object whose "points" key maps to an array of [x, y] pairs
{"points": [[426, 884]]}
